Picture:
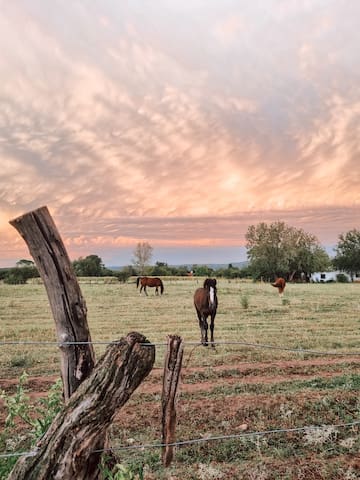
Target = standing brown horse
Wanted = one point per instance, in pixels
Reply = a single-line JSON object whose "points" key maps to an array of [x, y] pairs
{"points": [[150, 282], [279, 284], [205, 301]]}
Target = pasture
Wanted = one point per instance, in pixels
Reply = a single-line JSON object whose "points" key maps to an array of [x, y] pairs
{"points": [[239, 387]]}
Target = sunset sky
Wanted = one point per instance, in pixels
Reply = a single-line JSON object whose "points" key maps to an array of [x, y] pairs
{"points": [[178, 123]]}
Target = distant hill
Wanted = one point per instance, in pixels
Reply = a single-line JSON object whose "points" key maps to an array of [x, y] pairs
{"points": [[214, 266]]}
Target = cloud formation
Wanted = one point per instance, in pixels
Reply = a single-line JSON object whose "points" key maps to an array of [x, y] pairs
{"points": [[178, 124]]}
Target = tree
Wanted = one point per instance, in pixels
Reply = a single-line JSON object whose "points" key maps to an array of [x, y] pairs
{"points": [[25, 263], [18, 276], [125, 273], [347, 256], [24, 270], [281, 250], [142, 256], [90, 266], [202, 271]]}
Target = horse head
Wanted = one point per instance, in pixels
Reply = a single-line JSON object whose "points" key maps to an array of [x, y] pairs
{"points": [[210, 285]]}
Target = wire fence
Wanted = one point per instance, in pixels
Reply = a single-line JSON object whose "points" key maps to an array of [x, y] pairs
{"points": [[186, 343], [203, 439]]}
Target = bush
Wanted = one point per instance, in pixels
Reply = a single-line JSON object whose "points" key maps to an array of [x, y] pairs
{"points": [[245, 302], [342, 278], [37, 417], [19, 275]]}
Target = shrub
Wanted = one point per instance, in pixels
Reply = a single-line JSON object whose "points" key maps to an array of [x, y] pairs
{"points": [[19, 275], [342, 278], [245, 302], [38, 417]]}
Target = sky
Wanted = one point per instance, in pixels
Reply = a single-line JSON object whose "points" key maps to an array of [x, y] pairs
{"points": [[178, 123]]}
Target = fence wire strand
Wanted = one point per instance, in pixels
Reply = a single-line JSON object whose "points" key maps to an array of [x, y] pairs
{"points": [[192, 344], [202, 440]]}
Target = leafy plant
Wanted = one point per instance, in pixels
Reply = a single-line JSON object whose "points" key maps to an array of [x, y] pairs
{"points": [[21, 360], [121, 471], [38, 417], [245, 302]]}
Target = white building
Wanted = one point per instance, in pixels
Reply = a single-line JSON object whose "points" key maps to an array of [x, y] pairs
{"points": [[324, 277]]}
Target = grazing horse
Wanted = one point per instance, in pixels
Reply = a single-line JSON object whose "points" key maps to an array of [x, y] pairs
{"points": [[279, 284], [150, 282], [205, 301]]}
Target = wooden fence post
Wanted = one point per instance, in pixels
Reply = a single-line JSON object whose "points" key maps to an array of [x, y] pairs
{"points": [[72, 447], [172, 369], [66, 301]]}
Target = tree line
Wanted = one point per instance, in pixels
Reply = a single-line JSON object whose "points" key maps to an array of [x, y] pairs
{"points": [[274, 249]]}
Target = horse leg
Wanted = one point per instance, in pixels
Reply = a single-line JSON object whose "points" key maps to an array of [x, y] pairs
{"points": [[201, 325], [141, 289], [157, 291], [212, 330], [145, 290], [205, 327]]}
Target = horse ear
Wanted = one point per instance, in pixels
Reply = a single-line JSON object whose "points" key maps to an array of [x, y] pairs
{"points": [[214, 282]]}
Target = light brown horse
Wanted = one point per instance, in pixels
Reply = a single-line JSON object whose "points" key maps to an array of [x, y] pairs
{"points": [[280, 284], [150, 282], [206, 303]]}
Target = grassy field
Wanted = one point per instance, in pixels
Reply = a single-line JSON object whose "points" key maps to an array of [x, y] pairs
{"points": [[231, 389]]}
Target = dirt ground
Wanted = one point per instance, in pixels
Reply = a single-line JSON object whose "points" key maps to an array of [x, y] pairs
{"points": [[249, 373], [222, 408]]}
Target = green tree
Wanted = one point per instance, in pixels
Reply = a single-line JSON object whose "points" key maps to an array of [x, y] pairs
{"points": [[18, 276], [125, 273], [202, 271], [24, 270], [229, 272], [90, 266], [347, 257], [25, 263], [161, 269], [278, 249], [142, 256]]}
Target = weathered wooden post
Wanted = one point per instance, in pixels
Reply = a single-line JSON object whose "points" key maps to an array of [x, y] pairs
{"points": [[72, 447], [172, 369], [66, 301]]}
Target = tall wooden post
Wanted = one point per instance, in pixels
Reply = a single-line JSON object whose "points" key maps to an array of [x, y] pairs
{"points": [[172, 369], [66, 301], [72, 447]]}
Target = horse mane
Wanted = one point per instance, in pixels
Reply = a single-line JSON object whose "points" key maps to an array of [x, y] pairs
{"points": [[210, 282]]}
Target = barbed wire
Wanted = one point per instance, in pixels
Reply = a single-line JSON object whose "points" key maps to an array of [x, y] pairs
{"points": [[202, 439], [186, 343]]}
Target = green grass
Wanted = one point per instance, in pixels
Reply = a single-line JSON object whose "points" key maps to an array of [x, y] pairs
{"points": [[316, 317], [321, 317]]}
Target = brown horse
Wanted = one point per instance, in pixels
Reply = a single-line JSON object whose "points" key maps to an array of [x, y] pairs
{"points": [[279, 284], [205, 301], [150, 282]]}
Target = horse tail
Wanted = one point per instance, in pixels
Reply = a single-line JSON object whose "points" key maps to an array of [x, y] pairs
{"points": [[161, 287], [137, 282]]}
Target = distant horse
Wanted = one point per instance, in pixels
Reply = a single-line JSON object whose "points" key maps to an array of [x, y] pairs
{"points": [[150, 282], [279, 284], [205, 301]]}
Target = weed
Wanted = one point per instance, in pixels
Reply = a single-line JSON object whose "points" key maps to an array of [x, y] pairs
{"points": [[319, 435], [36, 417], [121, 472], [244, 302], [21, 361]]}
